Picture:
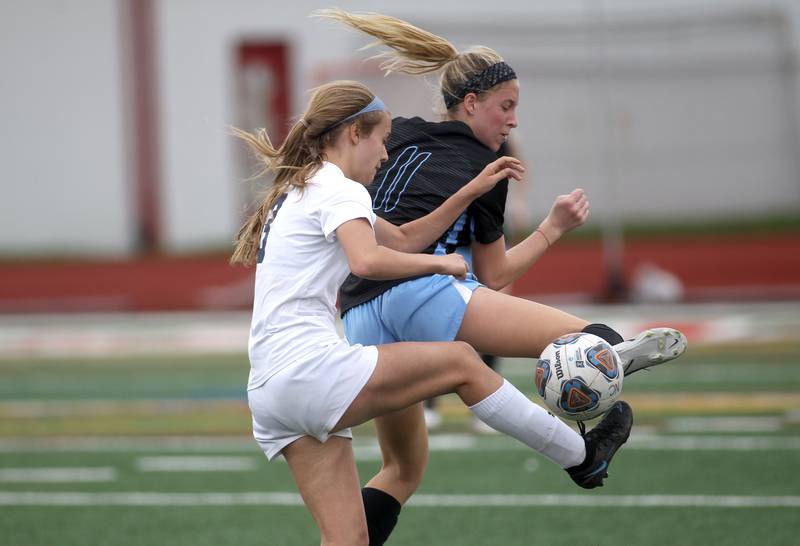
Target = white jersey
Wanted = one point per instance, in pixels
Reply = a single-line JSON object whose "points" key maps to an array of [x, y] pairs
{"points": [[303, 266]]}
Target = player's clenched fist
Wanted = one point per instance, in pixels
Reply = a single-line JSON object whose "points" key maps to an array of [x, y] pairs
{"points": [[567, 213], [454, 264]]}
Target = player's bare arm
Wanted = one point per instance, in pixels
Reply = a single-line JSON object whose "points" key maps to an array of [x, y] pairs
{"points": [[497, 267], [417, 235], [369, 260]]}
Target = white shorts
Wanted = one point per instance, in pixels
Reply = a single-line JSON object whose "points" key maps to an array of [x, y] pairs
{"points": [[310, 396]]}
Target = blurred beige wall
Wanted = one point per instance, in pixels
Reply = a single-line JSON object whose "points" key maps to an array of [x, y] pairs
{"points": [[661, 109]]}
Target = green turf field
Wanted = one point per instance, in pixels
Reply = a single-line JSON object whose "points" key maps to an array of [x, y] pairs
{"points": [[151, 451]]}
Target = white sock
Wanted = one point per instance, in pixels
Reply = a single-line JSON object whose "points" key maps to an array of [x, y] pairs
{"points": [[511, 412]]}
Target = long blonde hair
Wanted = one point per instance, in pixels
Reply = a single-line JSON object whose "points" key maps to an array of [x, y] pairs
{"points": [[303, 151], [416, 51]]}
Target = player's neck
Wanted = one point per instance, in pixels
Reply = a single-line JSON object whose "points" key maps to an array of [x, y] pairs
{"points": [[459, 115], [340, 159]]}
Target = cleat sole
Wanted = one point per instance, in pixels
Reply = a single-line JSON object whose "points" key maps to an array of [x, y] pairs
{"points": [[651, 347]]}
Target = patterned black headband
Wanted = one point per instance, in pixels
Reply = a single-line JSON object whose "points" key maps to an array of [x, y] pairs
{"points": [[480, 82]]}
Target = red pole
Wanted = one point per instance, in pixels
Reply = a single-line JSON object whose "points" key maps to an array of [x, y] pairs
{"points": [[140, 80]]}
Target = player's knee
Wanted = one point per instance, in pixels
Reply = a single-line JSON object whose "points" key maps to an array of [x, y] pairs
{"points": [[464, 351], [466, 357], [461, 366], [408, 473]]}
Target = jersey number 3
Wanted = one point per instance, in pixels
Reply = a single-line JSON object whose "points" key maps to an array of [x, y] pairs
{"points": [[267, 224]]}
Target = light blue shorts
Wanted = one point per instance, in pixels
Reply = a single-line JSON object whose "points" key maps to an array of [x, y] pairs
{"points": [[425, 309]]}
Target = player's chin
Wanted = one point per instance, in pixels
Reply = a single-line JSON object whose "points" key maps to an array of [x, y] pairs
{"points": [[501, 139]]}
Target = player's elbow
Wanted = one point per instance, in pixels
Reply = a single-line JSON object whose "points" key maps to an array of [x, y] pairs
{"points": [[400, 241], [492, 279], [366, 265], [493, 282]]}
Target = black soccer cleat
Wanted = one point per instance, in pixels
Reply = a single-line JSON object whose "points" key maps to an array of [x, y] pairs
{"points": [[602, 442]]}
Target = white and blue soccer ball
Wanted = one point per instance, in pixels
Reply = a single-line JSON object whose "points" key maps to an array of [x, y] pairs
{"points": [[579, 376]]}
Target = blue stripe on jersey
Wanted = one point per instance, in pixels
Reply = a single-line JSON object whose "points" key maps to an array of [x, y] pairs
{"points": [[412, 156], [425, 156], [452, 235], [466, 252], [375, 204]]}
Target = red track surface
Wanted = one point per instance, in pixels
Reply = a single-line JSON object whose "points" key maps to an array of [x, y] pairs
{"points": [[709, 267], [767, 267]]}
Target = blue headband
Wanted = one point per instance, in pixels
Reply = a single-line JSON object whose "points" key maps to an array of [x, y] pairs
{"points": [[375, 106]]}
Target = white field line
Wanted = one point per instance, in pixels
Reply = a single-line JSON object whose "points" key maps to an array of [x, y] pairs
{"points": [[57, 475], [367, 448], [113, 444], [196, 464], [293, 499], [665, 501]]}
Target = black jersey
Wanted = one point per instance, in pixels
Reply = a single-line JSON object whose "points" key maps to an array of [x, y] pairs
{"points": [[429, 162]]}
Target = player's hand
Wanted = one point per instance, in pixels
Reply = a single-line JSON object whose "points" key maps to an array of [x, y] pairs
{"points": [[568, 212], [494, 172], [454, 264]]}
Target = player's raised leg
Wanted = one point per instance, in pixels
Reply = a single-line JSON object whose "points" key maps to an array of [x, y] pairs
{"points": [[504, 325], [407, 373]]}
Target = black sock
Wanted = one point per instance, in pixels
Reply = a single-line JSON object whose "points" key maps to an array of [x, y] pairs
{"points": [[382, 511], [605, 332]]}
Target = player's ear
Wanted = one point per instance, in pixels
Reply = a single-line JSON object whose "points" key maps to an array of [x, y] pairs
{"points": [[470, 101], [353, 134]]}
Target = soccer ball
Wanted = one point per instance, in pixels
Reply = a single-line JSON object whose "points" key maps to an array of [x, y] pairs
{"points": [[579, 376]]}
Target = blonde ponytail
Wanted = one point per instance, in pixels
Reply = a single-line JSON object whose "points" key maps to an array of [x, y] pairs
{"points": [[416, 51]]}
